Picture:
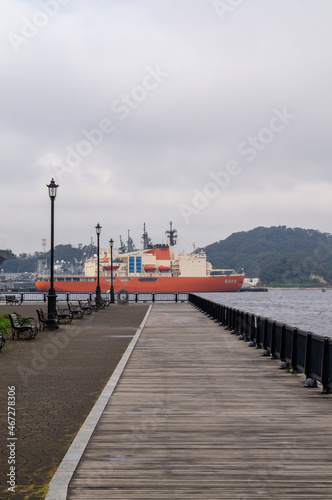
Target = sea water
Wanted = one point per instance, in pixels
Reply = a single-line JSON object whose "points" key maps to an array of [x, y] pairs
{"points": [[310, 310]]}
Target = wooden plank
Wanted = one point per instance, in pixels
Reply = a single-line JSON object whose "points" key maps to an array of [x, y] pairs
{"points": [[197, 414]]}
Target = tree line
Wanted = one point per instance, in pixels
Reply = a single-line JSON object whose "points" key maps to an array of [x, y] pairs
{"points": [[278, 255]]}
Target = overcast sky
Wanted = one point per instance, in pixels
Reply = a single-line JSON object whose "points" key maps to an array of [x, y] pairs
{"points": [[213, 114]]}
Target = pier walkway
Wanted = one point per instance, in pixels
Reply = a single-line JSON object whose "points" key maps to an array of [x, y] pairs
{"points": [[198, 414]]}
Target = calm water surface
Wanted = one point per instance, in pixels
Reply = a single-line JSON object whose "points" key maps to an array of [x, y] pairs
{"points": [[310, 310]]}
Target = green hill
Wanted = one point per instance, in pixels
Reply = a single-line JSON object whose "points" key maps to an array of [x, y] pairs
{"points": [[277, 255], [65, 253]]}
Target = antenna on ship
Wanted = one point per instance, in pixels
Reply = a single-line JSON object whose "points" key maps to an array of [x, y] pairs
{"points": [[122, 248], [90, 249], [172, 235], [130, 244], [147, 243]]}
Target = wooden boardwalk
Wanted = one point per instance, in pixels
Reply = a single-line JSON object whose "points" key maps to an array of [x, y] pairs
{"points": [[198, 414]]}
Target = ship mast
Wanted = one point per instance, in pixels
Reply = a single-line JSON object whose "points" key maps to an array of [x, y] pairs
{"points": [[122, 248], [172, 235], [130, 244], [147, 243]]}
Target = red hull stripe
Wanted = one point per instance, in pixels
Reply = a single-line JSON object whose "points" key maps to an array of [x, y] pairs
{"points": [[161, 285]]}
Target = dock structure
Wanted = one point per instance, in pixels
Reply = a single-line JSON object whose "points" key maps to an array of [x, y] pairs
{"points": [[196, 414]]}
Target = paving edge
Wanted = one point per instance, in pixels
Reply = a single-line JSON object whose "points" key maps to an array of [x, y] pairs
{"points": [[58, 486]]}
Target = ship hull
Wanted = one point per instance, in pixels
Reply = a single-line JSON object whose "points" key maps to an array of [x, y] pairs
{"points": [[231, 283]]}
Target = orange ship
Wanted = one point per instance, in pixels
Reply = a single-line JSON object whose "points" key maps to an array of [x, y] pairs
{"points": [[154, 269]]}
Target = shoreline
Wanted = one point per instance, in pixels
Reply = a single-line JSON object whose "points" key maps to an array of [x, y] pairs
{"points": [[298, 288]]}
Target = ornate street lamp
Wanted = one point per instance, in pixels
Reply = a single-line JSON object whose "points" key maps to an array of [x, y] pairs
{"points": [[51, 298], [98, 291], [112, 287]]}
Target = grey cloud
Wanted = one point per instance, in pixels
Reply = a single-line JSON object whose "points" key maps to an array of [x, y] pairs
{"points": [[224, 81]]}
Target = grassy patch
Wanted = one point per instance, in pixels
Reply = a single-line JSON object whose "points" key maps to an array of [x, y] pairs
{"points": [[30, 491], [5, 324]]}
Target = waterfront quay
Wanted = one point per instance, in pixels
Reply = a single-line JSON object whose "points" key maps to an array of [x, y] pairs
{"points": [[58, 377], [189, 412]]}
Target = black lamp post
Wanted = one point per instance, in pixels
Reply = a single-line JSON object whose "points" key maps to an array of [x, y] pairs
{"points": [[112, 287], [98, 291], [51, 303]]}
